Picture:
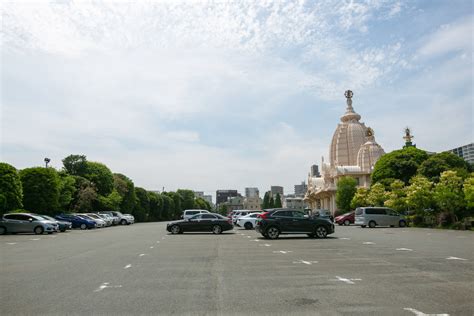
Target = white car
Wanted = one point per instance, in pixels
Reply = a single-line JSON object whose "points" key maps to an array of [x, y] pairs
{"points": [[247, 221], [130, 218], [239, 213], [190, 213]]}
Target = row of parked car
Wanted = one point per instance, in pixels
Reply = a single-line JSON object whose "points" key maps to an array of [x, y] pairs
{"points": [[36, 223]]}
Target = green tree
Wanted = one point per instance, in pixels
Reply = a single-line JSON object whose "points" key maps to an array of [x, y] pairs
{"points": [[377, 195], [11, 192], [168, 207], [75, 165], [468, 190], [397, 196], [346, 189], [85, 200], [399, 164], [448, 193], [271, 202], [419, 194], [141, 210], [277, 201], [266, 200], [436, 164], [200, 203], [126, 189], [360, 198], [101, 176], [40, 190], [222, 209], [67, 189], [110, 203], [187, 198], [156, 206]]}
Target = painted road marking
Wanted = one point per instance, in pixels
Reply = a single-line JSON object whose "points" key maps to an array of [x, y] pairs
{"points": [[35, 239], [157, 242], [127, 266], [11, 243], [249, 236], [142, 254], [368, 243], [456, 258], [256, 240], [151, 247], [404, 249], [283, 251], [345, 280], [53, 236], [418, 313], [106, 285], [344, 238], [305, 262], [266, 245]]}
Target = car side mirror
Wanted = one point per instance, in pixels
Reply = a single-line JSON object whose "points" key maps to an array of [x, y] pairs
{"points": [[306, 216]]}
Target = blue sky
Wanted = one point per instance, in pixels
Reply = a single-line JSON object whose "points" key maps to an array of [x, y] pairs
{"points": [[206, 96]]}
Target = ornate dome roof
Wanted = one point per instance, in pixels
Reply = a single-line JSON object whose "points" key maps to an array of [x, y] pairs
{"points": [[370, 152], [348, 137]]}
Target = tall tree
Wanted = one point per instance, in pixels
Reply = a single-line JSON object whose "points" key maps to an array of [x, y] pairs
{"points": [[67, 189], [168, 207], [126, 189], [468, 190], [75, 165], [11, 192], [360, 198], [266, 200], [40, 190], [187, 198], [110, 203], [419, 194], [377, 195], [86, 198], [271, 202], [436, 164], [448, 193], [346, 189], [101, 176], [399, 164], [156, 206], [277, 201], [397, 196]]}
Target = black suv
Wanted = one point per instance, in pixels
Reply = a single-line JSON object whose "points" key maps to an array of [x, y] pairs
{"points": [[286, 221]]}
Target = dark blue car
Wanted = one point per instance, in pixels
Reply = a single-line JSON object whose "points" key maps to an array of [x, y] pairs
{"points": [[76, 221]]}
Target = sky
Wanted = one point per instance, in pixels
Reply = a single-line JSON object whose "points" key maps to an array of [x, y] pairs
{"points": [[228, 94]]}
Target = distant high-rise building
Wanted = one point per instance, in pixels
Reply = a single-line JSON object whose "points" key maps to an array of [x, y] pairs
{"points": [[223, 195], [276, 189], [251, 192], [300, 189], [199, 194], [315, 171], [466, 152]]}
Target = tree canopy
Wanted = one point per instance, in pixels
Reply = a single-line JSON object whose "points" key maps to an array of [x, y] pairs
{"points": [[346, 189], [40, 190], [101, 176], [75, 165], [11, 192], [436, 164]]}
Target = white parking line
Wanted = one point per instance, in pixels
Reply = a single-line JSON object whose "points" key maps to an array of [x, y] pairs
{"points": [[344, 238], [142, 254], [11, 243], [127, 266], [418, 313], [151, 247], [404, 249], [106, 285], [368, 243], [157, 241], [345, 280], [283, 251], [305, 262], [36, 239], [456, 258], [265, 245], [249, 236]]}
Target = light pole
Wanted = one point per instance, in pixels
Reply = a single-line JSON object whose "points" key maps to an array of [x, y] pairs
{"points": [[46, 161]]}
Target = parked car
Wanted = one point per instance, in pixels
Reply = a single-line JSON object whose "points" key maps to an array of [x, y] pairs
{"points": [[76, 221], [62, 225], [378, 216], [123, 219], [323, 213], [115, 218], [237, 214], [130, 218], [205, 222], [190, 213], [107, 218], [345, 219], [247, 221], [99, 223], [26, 223], [287, 221]]}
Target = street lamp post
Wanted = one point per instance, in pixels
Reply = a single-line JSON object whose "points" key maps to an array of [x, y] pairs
{"points": [[46, 161]]}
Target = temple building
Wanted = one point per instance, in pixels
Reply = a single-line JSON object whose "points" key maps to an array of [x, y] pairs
{"points": [[353, 153]]}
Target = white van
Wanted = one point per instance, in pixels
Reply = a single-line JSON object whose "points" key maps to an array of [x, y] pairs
{"points": [[190, 213], [378, 216]]}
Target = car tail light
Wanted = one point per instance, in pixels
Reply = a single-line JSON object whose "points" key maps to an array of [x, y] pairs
{"points": [[229, 221], [263, 215]]}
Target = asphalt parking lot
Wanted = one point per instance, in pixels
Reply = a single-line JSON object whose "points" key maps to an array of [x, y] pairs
{"points": [[141, 269]]}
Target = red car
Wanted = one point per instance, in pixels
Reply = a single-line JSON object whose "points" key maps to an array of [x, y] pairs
{"points": [[345, 219]]}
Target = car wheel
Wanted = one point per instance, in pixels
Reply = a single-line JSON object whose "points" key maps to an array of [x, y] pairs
{"points": [[273, 232], [83, 226], [248, 225], [402, 223], [3, 230], [63, 230], [39, 230], [216, 229], [347, 222], [321, 232], [372, 224], [123, 222], [175, 229]]}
